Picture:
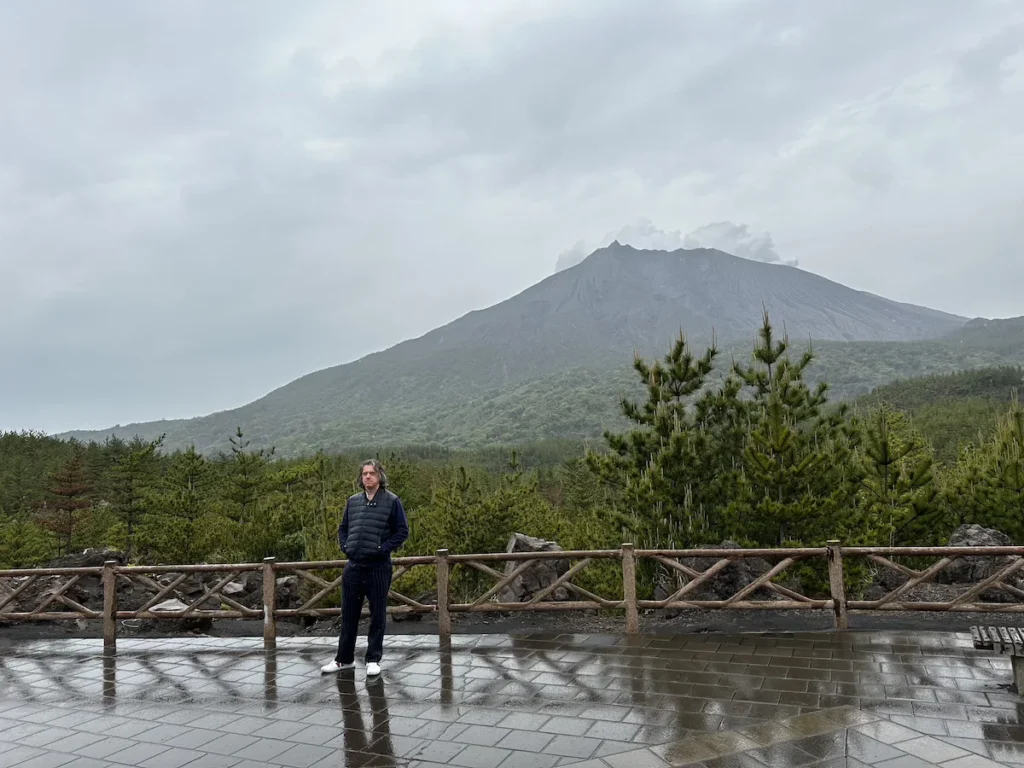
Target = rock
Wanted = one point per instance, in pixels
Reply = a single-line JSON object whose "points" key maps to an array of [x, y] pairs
{"points": [[252, 581], [427, 598], [169, 606], [875, 592], [966, 571], [191, 586], [187, 624], [287, 592], [971, 570], [233, 588], [538, 576], [89, 558], [887, 579], [723, 584]]}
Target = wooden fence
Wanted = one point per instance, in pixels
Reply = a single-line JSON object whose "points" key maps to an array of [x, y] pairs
{"points": [[693, 572]]}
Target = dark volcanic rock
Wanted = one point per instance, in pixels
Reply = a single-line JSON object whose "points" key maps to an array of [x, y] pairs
{"points": [[724, 584], [90, 558], [538, 576]]}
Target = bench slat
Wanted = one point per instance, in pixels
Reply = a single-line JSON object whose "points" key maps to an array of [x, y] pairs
{"points": [[976, 637], [1004, 635], [1018, 641], [997, 640]]}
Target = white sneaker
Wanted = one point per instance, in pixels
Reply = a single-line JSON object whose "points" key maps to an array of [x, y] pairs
{"points": [[372, 669], [335, 667]]}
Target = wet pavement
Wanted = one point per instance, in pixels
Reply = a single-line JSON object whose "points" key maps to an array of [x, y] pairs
{"points": [[488, 701]]}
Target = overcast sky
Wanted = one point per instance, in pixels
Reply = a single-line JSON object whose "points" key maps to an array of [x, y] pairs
{"points": [[201, 201]]}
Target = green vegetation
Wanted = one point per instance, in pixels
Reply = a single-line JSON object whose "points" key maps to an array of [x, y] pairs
{"points": [[751, 451], [952, 410]]}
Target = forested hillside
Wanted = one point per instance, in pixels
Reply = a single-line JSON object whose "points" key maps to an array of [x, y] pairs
{"points": [[751, 452], [952, 410]]}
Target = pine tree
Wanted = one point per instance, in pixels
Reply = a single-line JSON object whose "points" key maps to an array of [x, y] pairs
{"points": [[23, 544], [899, 494], [322, 513], [69, 489], [133, 476], [797, 481], [669, 471], [258, 505], [967, 492], [1006, 472], [248, 478], [180, 507]]}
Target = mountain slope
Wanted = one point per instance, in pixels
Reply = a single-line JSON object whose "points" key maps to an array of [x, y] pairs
{"points": [[581, 322]]}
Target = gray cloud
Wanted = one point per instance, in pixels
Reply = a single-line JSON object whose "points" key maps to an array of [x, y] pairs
{"points": [[736, 239], [642, 233], [198, 201], [726, 236]]}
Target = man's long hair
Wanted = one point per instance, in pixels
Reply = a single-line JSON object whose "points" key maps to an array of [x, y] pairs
{"points": [[380, 471]]}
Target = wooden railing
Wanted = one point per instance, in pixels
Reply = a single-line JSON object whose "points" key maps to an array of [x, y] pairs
{"points": [[48, 588]]}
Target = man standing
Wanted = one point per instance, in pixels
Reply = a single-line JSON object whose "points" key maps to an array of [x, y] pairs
{"points": [[372, 527]]}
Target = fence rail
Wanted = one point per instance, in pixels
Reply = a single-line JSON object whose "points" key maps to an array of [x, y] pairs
{"points": [[687, 579]]}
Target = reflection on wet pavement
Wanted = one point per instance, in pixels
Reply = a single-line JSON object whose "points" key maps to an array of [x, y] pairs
{"points": [[485, 701]]}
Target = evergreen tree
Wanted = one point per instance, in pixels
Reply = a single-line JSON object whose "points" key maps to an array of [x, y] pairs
{"points": [[133, 475], [797, 482], [670, 469], [23, 544], [69, 490], [248, 478], [15, 488], [1006, 472], [322, 514], [249, 484], [967, 492], [899, 494], [180, 508]]}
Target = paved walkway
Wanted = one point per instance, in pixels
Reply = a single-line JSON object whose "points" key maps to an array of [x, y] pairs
{"points": [[485, 701]]}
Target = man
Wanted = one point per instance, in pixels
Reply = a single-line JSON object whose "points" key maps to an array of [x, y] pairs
{"points": [[372, 527]]}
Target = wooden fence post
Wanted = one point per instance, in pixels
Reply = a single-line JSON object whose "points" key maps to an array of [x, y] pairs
{"points": [[629, 589], [444, 617], [269, 602], [837, 583], [109, 606]]}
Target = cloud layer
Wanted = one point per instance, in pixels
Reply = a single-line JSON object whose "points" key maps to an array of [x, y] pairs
{"points": [[725, 236], [202, 201]]}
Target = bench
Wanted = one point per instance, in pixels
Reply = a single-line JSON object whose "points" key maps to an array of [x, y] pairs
{"points": [[1008, 640]]}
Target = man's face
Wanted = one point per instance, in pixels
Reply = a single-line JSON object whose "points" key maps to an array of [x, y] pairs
{"points": [[370, 478]]}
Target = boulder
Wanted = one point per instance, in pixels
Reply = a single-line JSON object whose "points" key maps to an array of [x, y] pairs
{"points": [[967, 571], [723, 584], [538, 576], [89, 558], [287, 592], [187, 624], [191, 586], [971, 570]]}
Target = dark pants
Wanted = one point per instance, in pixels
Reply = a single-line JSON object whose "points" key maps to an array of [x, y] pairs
{"points": [[369, 581]]}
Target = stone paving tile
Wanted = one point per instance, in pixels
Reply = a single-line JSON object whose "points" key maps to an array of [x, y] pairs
{"points": [[537, 701]]}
